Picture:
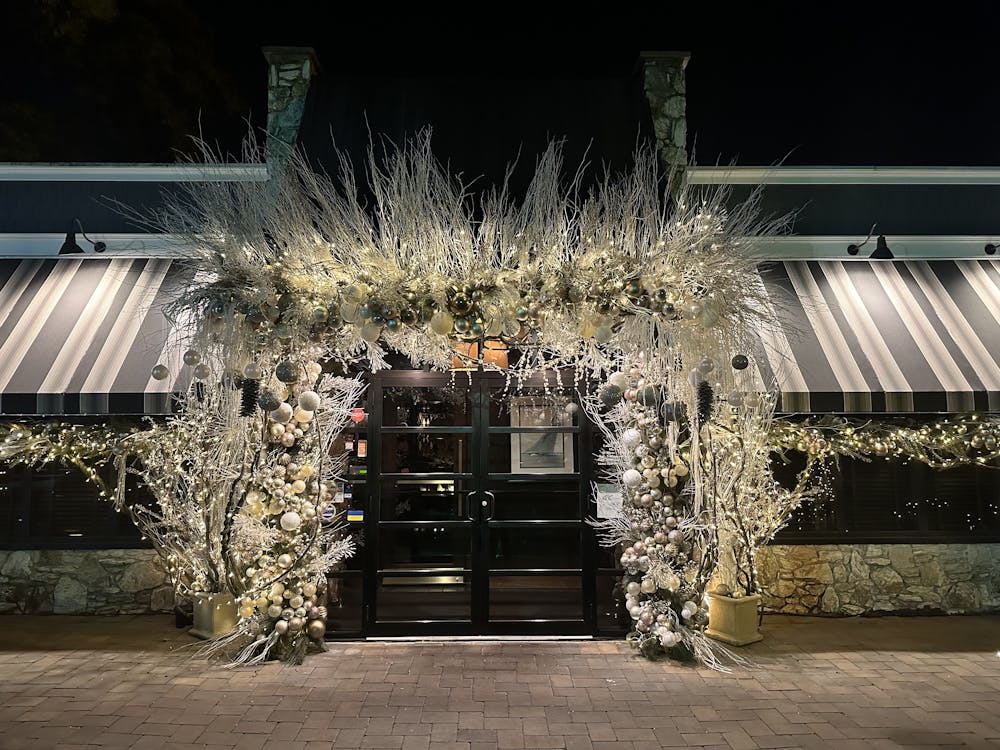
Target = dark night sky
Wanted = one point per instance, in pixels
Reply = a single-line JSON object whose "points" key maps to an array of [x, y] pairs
{"points": [[823, 83]]}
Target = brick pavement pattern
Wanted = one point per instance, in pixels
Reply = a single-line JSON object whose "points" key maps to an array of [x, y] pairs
{"points": [[855, 683]]}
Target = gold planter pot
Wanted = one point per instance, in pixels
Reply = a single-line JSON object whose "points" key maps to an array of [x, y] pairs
{"points": [[733, 621], [214, 615]]}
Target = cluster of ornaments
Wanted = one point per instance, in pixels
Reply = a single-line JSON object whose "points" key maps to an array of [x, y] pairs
{"points": [[289, 610], [290, 496], [660, 595], [511, 305]]}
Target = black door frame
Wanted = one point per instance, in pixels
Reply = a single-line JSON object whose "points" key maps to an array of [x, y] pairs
{"points": [[481, 483]]}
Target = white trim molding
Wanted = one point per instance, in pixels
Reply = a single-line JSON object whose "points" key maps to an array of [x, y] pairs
{"points": [[133, 172], [789, 247], [903, 247], [843, 175]]}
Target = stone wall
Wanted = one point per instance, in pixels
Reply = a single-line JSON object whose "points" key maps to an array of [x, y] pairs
{"points": [[666, 91], [290, 71], [78, 582], [853, 579]]}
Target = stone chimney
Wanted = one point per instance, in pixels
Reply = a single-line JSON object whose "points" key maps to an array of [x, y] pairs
{"points": [[663, 82], [290, 70]]}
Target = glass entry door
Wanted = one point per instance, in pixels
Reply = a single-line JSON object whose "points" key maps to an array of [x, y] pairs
{"points": [[478, 500]]}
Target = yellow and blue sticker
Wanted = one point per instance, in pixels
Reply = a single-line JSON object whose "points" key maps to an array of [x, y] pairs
{"points": [[355, 515]]}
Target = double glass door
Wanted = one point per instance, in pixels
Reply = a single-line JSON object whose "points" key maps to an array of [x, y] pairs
{"points": [[477, 505]]}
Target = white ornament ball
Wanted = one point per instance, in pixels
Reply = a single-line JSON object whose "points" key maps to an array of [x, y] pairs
{"points": [[648, 585], [309, 400], [274, 611], [669, 638], [291, 521], [298, 486], [283, 413], [631, 438], [284, 560], [635, 612], [632, 478], [309, 590], [571, 408], [296, 603], [288, 440], [618, 379], [302, 416], [632, 588], [281, 627]]}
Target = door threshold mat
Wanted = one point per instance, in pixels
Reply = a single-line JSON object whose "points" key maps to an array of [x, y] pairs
{"points": [[449, 638]]}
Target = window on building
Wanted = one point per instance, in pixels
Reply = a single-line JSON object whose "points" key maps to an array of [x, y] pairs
{"points": [[885, 501], [55, 507]]}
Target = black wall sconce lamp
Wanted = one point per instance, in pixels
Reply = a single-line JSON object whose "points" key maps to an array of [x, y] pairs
{"points": [[881, 252], [69, 246]]}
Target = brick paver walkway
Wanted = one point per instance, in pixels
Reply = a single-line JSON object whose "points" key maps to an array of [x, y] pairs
{"points": [[879, 683]]}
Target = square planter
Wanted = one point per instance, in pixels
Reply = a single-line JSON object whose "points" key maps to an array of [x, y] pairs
{"points": [[733, 621], [214, 615]]}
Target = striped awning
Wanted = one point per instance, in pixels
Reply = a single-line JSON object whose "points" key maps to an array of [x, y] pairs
{"points": [[80, 334], [884, 336]]}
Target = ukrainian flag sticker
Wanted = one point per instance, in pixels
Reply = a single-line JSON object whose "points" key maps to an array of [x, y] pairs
{"points": [[355, 515]]}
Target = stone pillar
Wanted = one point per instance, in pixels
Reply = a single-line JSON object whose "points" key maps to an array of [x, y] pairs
{"points": [[665, 88], [290, 70]]}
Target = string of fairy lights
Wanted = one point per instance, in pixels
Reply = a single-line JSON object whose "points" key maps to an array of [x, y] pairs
{"points": [[944, 443], [88, 448]]}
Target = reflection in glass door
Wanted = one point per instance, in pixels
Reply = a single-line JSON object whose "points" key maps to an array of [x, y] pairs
{"points": [[478, 501]]}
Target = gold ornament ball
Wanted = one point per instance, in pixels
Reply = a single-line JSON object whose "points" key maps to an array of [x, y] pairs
{"points": [[316, 629], [442, 323]]}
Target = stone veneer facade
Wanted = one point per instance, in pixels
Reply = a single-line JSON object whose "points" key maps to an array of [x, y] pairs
{"points": [[664, 84], [84, 582], [853, 579]]}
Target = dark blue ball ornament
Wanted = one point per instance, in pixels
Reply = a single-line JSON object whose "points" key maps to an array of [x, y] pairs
{"points": [[611, 395], [285, 372]]}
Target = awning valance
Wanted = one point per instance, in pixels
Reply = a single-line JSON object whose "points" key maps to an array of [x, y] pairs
{"points": [[884, 336], [79, 335]]}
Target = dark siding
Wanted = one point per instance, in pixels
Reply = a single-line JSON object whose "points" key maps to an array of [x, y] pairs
{"points": [[44, 207]]}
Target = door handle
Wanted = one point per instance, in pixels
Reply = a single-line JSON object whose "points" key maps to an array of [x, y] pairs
{"points": [[489, 503]]}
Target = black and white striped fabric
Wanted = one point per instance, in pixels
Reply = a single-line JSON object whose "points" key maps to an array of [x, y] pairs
{"points": [[79, 335], [884, 336]]}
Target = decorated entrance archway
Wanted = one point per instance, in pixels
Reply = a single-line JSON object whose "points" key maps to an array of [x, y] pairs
{"points": [[643, 308]]}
